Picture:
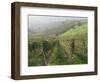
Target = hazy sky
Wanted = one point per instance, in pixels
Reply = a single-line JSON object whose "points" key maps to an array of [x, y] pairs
{"points": [[40, 23]]}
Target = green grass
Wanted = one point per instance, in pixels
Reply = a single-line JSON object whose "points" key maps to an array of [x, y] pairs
{"points": [[75, 33], [67, 48]]}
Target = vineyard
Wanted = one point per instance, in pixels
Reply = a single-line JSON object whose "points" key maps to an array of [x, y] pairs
{"points": [[69, 47]]}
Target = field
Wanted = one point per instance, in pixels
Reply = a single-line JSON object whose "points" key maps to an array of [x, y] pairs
{"points": [[65, 47]]}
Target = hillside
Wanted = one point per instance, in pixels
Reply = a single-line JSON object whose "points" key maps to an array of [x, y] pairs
{"points": [[75, 32], [55, 26], [68, 47]]}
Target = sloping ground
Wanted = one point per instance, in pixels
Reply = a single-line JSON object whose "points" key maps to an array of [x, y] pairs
{"points": [[74, 42], [75, 32], [69, 47]]}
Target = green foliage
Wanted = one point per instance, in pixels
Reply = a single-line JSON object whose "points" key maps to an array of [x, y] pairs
{"points": [[76, 30], [69, 47]]}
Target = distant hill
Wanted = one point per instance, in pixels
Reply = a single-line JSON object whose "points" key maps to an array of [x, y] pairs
{"points": [[57, 28]]}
